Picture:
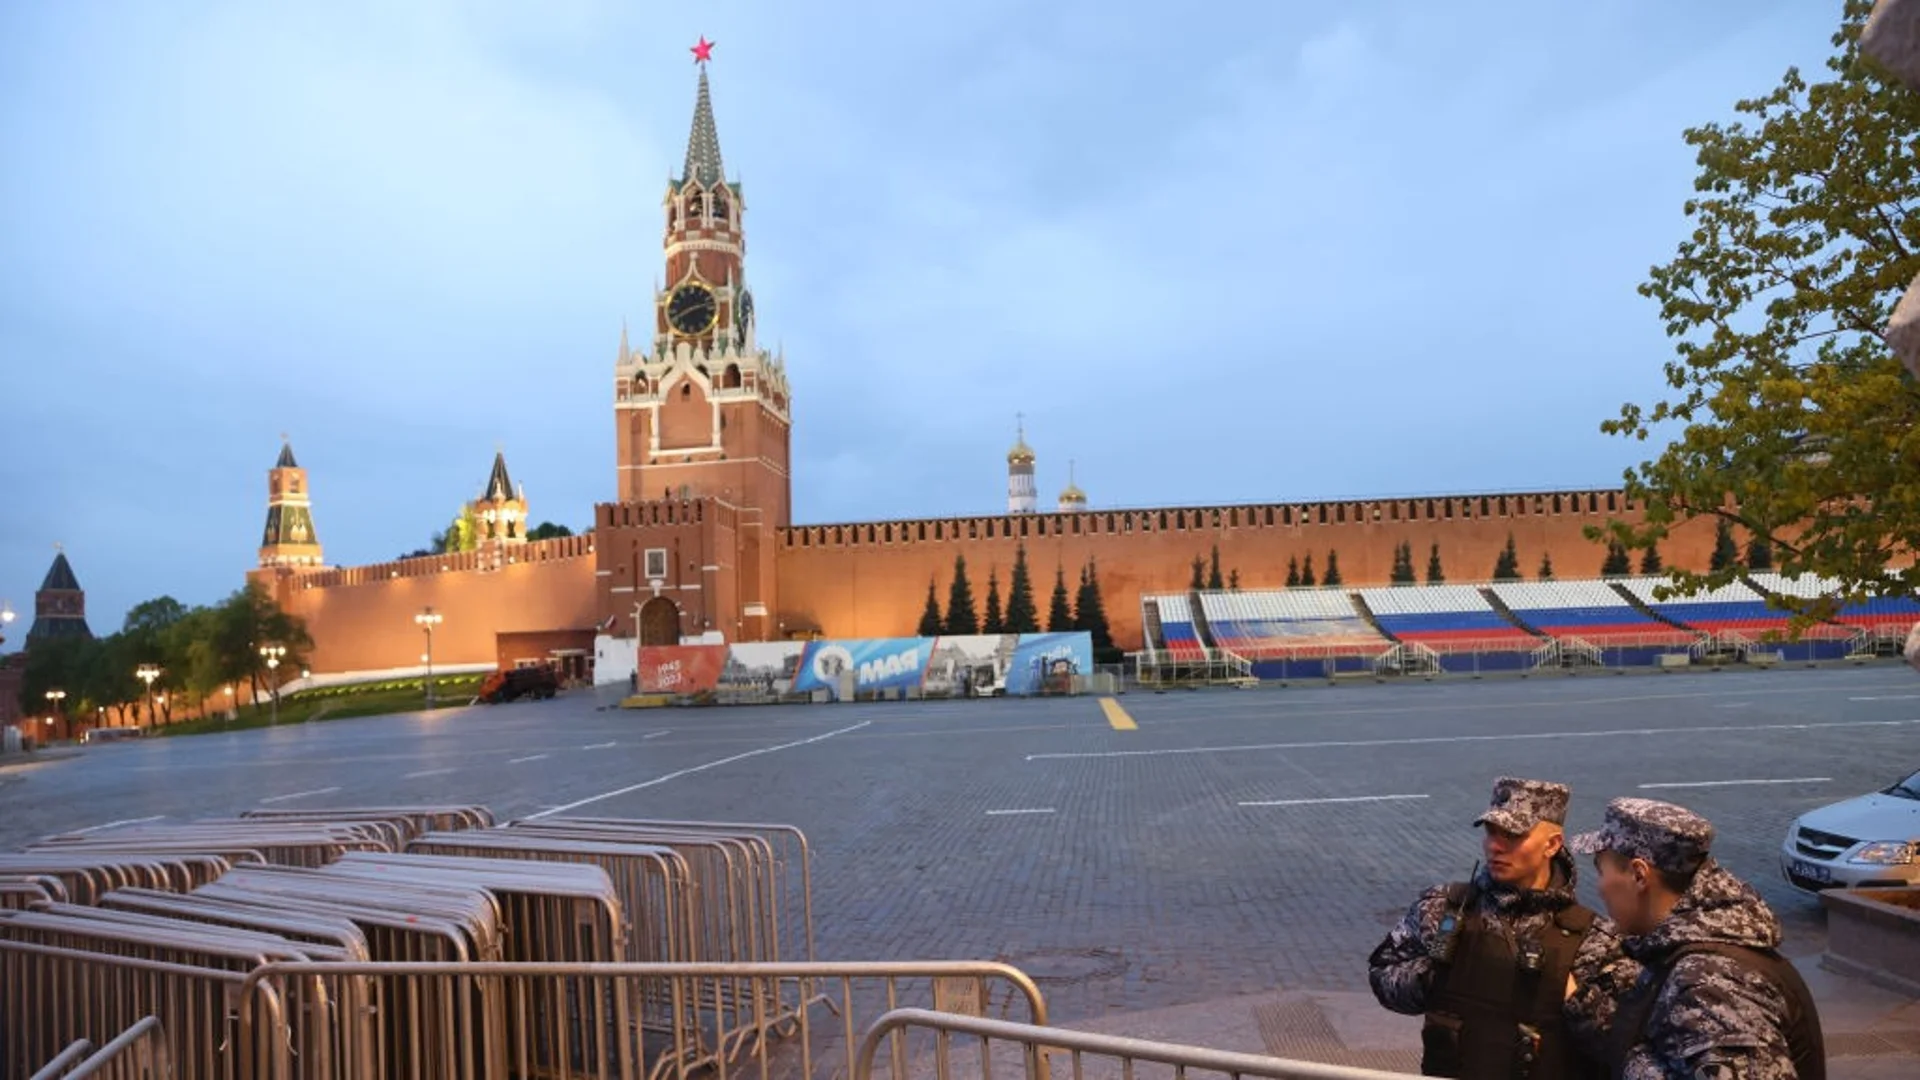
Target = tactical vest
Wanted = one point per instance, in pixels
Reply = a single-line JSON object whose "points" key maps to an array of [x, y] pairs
{"points": [[1494, 1012], [1802, 1028]]}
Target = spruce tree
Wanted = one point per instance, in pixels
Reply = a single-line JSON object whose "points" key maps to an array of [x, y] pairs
{"points": [[1092, 617], [1213, 571], [1434, 574], [1059, 611], [1403, 564], [1233, 579], [1333, 569], [1725, 552], [1306, 572], [1199, 574], [1293, 572], [993, 622], [1650, 561], [1617, 563], [962, 617], [1022, 617], [930, 621], [1546, 567], [1507, 566], [1759, 553]]}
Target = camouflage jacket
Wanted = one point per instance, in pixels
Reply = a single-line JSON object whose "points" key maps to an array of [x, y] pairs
{"points": [[1715, 1016], [1401, 971]]}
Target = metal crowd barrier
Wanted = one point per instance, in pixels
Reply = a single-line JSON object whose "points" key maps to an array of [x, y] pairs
{"points": [[586, 1021], [1002, 1048], [138, 1053]]}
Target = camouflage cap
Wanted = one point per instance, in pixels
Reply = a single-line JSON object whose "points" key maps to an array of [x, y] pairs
{"points": [[1668, 837], [1519, 805]]}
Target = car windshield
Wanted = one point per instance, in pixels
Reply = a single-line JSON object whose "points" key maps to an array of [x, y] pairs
{"points": [[1906, 789]]}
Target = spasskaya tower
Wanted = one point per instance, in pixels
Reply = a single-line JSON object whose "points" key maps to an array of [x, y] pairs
{"points": [[701, 411]]}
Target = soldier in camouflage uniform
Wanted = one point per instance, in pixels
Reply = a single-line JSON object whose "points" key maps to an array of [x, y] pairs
{"points": [[1706, 996], [1489, 962]]}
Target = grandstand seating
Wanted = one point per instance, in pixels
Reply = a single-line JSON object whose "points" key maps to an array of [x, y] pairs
{"points": [[1885, 612], [1275, 624], [1445, 616], [1177, 629], [1736, 608], [1589, 610]]}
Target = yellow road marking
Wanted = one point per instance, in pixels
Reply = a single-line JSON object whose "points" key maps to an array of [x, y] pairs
{"points": [[1116, 716]]}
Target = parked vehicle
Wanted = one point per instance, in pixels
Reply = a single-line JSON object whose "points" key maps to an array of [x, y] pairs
{"points": [[530, 682], [1872, 840]]}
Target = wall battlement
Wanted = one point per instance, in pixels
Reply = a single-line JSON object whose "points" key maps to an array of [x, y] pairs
{"points": [[1596, 504], [655, 512], [533, 551]]}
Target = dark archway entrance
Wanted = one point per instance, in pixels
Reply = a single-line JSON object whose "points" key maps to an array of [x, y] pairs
{"points": [[660, 622]]}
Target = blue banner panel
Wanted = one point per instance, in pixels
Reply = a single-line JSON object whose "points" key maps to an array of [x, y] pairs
{"points": [[1041, 658], [876, 663]]}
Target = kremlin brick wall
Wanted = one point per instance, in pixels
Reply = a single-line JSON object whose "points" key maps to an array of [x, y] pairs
{"points": [[870, 579]]}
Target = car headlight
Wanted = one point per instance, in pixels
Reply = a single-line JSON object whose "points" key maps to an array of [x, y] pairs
{"points": [[1885, 853]]}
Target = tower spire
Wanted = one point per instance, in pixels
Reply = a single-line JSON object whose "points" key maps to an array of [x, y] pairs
{"points": [[703, 142]]}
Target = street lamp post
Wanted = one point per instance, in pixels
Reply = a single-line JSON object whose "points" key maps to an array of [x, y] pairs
{"points": [[272, 654], [6, 616], [427, 620], [54, 698], [147, 673]]}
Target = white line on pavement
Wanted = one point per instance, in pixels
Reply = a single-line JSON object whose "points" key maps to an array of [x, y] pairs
{"points": [[656, 734], [1734, 705], [597, 746], [425, 772], [1888, 697], [1738, 783], [301, 794], [1432, 739], [1340, 799], [117, 824], [695, 769], [1033, 810], [529, 757]]}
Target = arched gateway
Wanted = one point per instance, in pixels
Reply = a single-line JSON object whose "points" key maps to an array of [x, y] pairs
{"points": [[660, 622]]}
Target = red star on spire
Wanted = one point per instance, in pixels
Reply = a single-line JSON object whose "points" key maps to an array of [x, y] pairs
{"points": [[702, 52]]}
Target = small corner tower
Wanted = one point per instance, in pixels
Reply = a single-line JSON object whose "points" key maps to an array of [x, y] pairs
{"points": [[501, 511], [1023, 497], [1072, 499], [289, 541], [60, 607]]}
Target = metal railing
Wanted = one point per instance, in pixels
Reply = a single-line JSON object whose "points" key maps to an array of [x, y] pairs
{"points": [[997, 1048], [138, 1053]]}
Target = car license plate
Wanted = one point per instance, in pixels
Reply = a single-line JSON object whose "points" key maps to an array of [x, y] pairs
{"points": [[1812, 871]]}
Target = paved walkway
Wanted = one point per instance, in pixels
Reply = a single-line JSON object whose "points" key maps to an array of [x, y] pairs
{"points": [[1871, 1033]]}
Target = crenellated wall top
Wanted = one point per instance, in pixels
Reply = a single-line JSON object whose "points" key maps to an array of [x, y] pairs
{"points": [[1596, 503], [488, 558]]}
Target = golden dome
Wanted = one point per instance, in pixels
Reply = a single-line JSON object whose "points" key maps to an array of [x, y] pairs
{"points": [[1021, 454], [1073, 494]]}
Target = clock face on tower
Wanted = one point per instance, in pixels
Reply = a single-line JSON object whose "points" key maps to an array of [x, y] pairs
{"points": [[692, 309], [742, 317]]}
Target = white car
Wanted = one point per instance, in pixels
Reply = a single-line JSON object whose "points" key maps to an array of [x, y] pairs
{"points": [[1873, 840]]}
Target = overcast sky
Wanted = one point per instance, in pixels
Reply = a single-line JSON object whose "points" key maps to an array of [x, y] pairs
{"points": [[1227, 252]]}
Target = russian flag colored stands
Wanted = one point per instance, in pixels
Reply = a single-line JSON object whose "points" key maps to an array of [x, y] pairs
{"points": [[1734, 608], [1593, 612], [1455, 621], [1293, 633], [1833, 640], [1176, 627]]}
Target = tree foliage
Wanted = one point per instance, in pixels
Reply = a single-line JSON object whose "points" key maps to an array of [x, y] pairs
{"points": [[1619, 561], [992, 621], [1403, 564], [1332, 576], [1506, 565], [1060, 608], [1022, 616], [1306, 571], [1795, 421], [1546, 567], [1214, 580], [200, 651], [1293, 572], [1090, 614], [931, 621], [962, 616], [1726, 552], [1435, 575], [1650, 561], [547, 530]]}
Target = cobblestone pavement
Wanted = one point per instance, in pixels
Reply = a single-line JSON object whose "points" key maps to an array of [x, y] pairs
{"points": [[1123, 869]]}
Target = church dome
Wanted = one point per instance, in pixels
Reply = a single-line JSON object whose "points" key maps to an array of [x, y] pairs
{"points": [[1071, 495], [1021, 454]]}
